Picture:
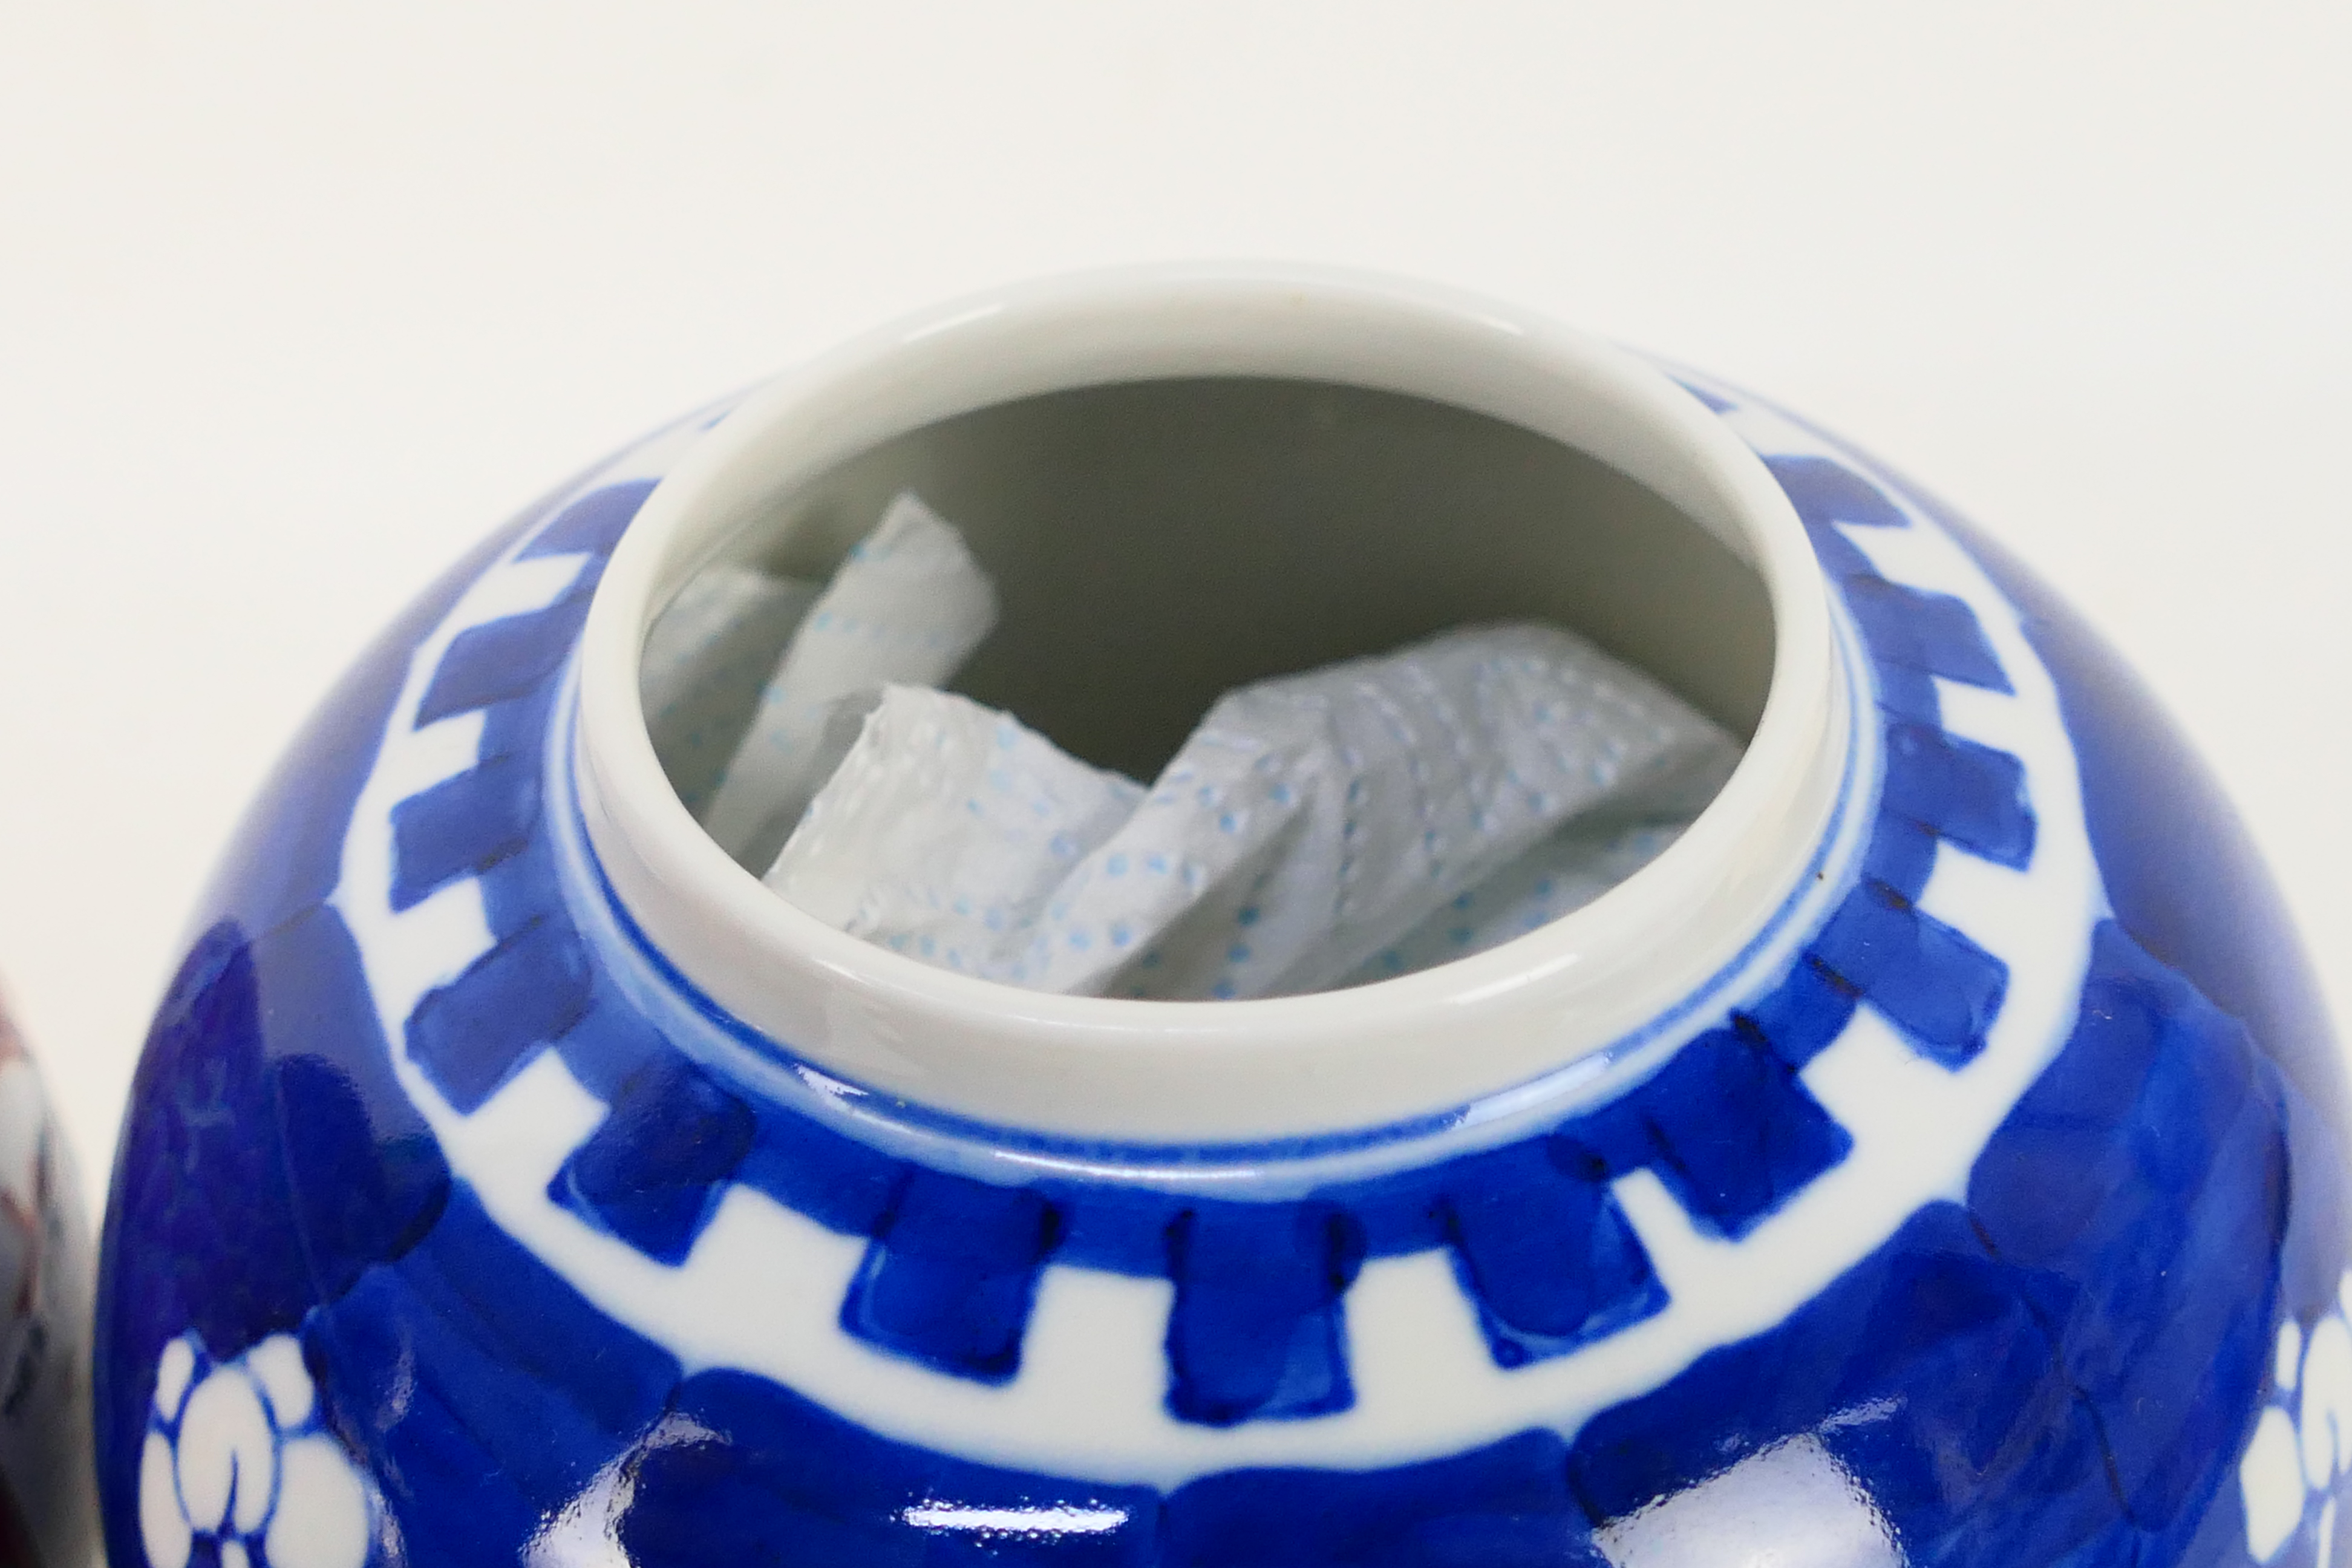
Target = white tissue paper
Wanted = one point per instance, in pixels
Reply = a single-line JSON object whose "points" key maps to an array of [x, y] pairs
{"points": [[1316, 829], [945, 829], [909, 606], [1557, 877], [706, 661]]}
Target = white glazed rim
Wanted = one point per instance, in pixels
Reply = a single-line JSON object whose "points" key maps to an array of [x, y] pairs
{"points": [[1098, 1069]]}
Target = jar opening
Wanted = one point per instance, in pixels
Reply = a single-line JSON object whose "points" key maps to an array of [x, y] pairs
{"points": [[1154, 544], [1183, 480]]}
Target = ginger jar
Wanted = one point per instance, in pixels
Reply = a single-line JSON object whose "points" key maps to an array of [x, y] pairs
{"points": [[1933, 1157]]}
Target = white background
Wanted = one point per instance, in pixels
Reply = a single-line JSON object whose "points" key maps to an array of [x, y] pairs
{"points": [[298, 300]]}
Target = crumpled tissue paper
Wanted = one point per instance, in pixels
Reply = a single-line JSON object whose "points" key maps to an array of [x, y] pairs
{"points": [[1364, 819], [909, 606], [1367, 819]]}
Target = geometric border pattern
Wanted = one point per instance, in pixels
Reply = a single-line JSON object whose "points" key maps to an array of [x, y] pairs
{"points": [[482, 972]]}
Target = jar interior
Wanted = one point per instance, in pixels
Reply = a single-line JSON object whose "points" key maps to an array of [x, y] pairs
{"points": [[1157, 543]]}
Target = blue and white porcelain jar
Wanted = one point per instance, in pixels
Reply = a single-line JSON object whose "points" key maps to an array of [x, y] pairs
{"points": [[47, 1511], [1933, 1157]]}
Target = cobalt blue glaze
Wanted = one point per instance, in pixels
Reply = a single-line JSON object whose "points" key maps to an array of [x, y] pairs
{"points": [[2081, 1355]]}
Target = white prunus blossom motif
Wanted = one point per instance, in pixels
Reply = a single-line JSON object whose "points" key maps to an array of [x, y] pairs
{"points": [[237, 1455], [1791, 1504], [2302, 1446]]}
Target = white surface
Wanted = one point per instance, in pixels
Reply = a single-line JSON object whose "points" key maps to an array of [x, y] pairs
{"points": [[296, 301]]}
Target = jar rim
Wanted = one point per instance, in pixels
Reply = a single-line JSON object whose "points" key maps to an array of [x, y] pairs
{"points": [[1624, 967]]}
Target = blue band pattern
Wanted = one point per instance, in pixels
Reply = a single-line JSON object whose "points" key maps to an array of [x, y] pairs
{"points": [[2034, 1367], [953, 1264]]}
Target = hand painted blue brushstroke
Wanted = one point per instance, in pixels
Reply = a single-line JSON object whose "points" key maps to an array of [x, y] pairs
{"points": [[363, 1178], [1962, 1373], [1998, 1365], [236, 1237], [2183, 874], [201, 1231], [507, 658], [1973, 1392], [1505, 1506], [268, 1025], [1825, 491], [473, 1033], [951, 1272], [537, 989], [592, 525], [1906, 693], [841, 1184], [1931, 982], [654, 1171], [2039, 1374], [2095, 1169], [1900, 856], [1256, 1331], [504, 659], [751, 1473], [1542, 1248], [1934, 633], [463, 827], [533, 989], [1967, 794], [1805, 1012], [458, 1369], [1731, 1172]]}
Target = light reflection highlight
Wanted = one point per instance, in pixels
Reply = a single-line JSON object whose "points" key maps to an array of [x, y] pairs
{"points": [[1062, 1521]]}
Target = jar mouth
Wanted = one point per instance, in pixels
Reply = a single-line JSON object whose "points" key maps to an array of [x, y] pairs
{"points": [[1623, 969]]}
